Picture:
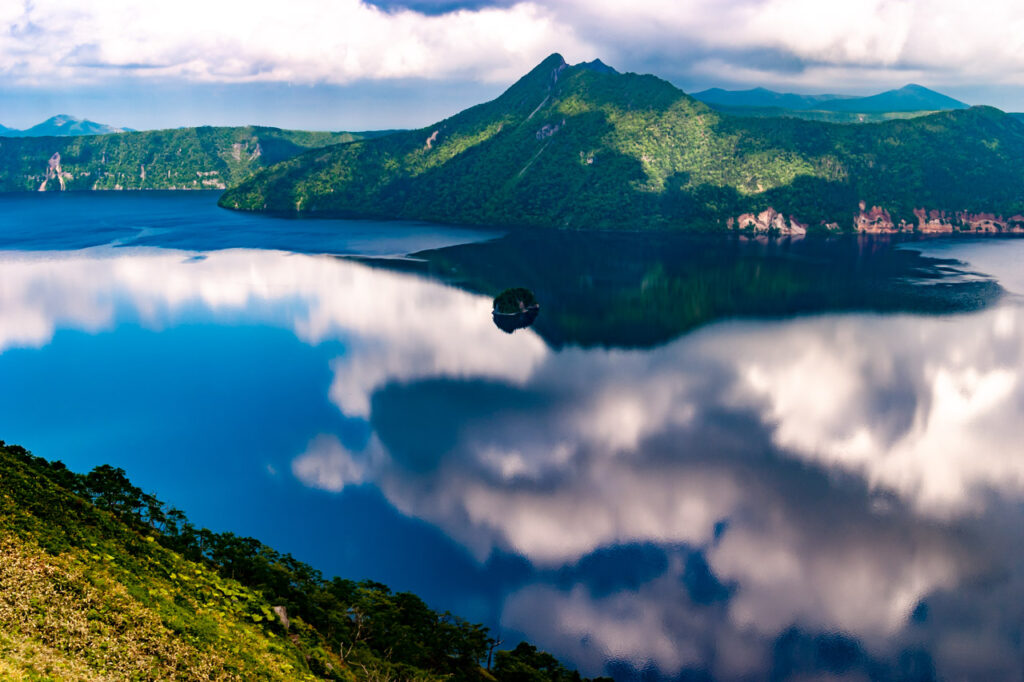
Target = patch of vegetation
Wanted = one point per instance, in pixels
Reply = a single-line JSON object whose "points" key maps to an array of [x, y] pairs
{"points": [[574, 148], [515, 300], [101, 581]]}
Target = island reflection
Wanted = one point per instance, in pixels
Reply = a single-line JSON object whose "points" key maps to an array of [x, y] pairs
{"points": [[830, 494]]}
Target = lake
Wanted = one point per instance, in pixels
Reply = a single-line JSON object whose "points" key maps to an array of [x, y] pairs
{"points": [[709, 458]]}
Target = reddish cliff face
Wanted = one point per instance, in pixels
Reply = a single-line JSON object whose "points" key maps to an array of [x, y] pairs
{"points": [[877, 220]]}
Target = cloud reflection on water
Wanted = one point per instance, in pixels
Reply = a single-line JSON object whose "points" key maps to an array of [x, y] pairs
{"points": [[859, 465]]}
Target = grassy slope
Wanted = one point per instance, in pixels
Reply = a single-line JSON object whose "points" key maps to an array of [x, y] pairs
{"points": [[94, 587], [570, 147], [184, 158], [86, 597]]}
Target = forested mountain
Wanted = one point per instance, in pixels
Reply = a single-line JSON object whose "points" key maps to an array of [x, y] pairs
{"points": [[182, 158], [579, 148], [101, 581]]}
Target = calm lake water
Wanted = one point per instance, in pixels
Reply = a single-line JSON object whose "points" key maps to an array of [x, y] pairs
{"points": [[707, 459]]}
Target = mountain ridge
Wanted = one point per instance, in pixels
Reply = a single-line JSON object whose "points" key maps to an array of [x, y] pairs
{"points": [[570, 147], [183, 158], [909, 98]]}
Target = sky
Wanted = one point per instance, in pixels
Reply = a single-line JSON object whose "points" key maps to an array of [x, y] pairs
{"points": [[357, 65]]}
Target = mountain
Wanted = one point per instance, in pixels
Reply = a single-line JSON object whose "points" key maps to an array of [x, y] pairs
{"points": [[596, 65], [102, 581], [62, 125], [571, 147], [846, 117], [910, 98], [760, 97], [183, 158]]}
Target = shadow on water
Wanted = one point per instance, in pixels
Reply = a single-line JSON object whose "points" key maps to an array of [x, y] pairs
{"points": [[639, 290]]}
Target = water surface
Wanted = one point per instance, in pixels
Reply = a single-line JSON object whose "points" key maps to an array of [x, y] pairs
{"points": [[706, 460]]}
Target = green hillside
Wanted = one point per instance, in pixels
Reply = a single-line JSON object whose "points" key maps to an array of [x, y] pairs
{"points": [[101, 581], [183, 158], [583, 148]]}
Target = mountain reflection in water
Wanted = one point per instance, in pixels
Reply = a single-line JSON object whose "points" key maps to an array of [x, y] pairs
{"points": [[829, 494]]}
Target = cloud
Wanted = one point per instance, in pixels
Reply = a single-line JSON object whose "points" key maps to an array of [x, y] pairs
{"points": [[305, 41], [328, 465], [748, 39], [797, 43]]}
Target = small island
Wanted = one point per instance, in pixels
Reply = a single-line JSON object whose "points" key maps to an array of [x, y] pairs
{"points": [[515, 308]]}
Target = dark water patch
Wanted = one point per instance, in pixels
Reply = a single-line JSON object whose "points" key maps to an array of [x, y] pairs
{"points": [[638, 290]]}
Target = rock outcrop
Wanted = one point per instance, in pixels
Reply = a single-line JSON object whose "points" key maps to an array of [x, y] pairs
{"points": [[878, 220], [54, 172], [768, 221]]}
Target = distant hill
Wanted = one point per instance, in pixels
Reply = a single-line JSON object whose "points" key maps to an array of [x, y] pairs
{"points": [[62, 125], [183, 158], [907, 102], [573, 148], [908, 98], [761, 97], [817, 114]]}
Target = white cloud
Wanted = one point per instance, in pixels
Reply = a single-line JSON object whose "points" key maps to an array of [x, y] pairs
{"points": [[926, 408], [334, 41], [328, 465], [340, 41], [948, 40]]}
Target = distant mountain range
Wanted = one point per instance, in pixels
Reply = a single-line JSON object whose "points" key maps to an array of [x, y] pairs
{"points": [[62, 125], [906, 102], [906, 99], [578, 147]]}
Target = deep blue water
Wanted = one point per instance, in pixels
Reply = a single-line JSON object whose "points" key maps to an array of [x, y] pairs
{"points": [[781, 461]]}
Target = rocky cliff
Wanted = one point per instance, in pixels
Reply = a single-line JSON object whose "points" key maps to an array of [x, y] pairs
{"points": [[878, 220]]}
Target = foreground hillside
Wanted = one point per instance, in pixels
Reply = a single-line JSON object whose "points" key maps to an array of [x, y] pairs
{"points": [[100, 581], [183, 158], [584, 147]]}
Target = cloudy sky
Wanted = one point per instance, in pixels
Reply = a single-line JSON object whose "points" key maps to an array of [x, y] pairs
{"points": [[352, 64]]}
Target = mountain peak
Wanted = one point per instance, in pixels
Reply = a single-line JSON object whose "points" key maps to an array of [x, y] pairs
{"points": [[552, 61], [596, 65], [64, 125]]}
